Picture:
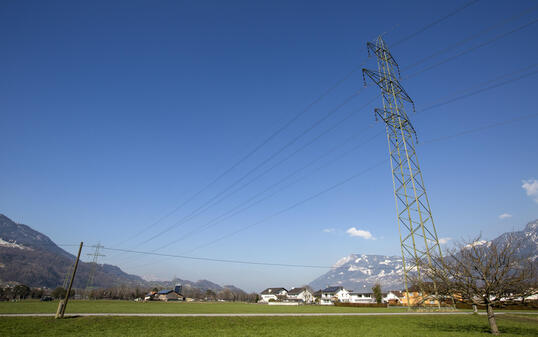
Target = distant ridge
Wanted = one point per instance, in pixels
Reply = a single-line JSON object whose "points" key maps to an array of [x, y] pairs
{"points": [[360, 272], [32, 258]]}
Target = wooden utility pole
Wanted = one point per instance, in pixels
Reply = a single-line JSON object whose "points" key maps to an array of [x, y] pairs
{"points": [[63, 303]]}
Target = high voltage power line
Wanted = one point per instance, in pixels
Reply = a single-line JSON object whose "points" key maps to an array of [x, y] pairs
{"points": [[256, 149], [238, 209], [253, 151], [428, 68], [214, 201], [488, 29], [487, 87], [295, 205], [458, 134], [482, 128], [444, 62], [289, 123], [332, 128], [454, 135], [208, 203], [217, 260], [465, 131], [438, 105], [481, 45], [431, 67], [276, 133], [429, 107], [430, 25], [461, 133]]}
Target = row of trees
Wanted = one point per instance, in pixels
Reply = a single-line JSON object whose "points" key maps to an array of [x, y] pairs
{"points": [[131, 293], [224, 295], [20, 292]]}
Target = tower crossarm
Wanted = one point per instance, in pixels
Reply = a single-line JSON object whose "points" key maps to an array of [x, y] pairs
{"points": [[390, 118], [388, 84], [382, 52]]}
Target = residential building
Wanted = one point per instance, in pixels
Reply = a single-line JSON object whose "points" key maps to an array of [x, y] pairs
{"points": [[274, 294], [330, 295], [361, 297], [300, 295], [392, 297], [168, 295], [417, 298], [150, 296], [317, 295]]}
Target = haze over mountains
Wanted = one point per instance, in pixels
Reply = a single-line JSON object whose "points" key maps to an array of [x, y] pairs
{"points": [[360, 272], [30, 257]]}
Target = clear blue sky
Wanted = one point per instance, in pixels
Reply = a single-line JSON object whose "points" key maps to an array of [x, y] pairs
{"points": [[114, 113]]}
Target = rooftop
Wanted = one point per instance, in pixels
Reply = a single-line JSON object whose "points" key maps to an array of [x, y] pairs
{"points": [[332, 289], [296, 291], [272, 291]]}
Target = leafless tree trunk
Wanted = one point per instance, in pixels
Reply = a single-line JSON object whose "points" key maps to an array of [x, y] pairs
{"points": [[491, 319]]}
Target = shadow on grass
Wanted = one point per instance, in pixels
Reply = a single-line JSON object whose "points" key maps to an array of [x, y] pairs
{"points": [[518, 318], [479, 328]]}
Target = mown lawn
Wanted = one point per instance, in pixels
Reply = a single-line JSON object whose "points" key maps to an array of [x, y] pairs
{"points": [[105, 306], [431, 326]]}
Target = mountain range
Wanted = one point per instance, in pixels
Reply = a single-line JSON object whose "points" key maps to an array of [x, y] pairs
{"points": [[360, 272], [32, 258]]}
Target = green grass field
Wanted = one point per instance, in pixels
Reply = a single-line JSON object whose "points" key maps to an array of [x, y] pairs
{"points": [[431, 326], [104, 306]]}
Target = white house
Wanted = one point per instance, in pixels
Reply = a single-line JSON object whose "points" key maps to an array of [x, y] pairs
{"points": [[300, 295], [361, 298], [334, 294], [392, 297], [273, 294]]}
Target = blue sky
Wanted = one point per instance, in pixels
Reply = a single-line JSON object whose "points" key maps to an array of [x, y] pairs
{"points": [[115, 113]]}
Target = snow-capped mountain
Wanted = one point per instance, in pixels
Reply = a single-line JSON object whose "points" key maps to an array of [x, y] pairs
{"points": [[527, 239], [360, 272]]}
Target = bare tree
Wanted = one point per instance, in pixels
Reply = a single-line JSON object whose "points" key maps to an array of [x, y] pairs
{"points": [[226, 294], [482, 273]]}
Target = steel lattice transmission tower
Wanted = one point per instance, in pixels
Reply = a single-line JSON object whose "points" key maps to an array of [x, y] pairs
{"points": [[93, 269], [418, 237]]}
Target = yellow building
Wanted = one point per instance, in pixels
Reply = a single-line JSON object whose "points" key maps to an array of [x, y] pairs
{"points": [[417, 298]]}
